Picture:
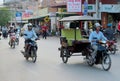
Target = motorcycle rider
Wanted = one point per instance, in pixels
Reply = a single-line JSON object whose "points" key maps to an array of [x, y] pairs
{"points": [[94, 37], [11, 33], [108, 32], [29, 36]]}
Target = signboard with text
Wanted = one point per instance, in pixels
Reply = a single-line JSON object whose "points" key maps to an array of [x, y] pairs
{"points": [[18, 16], [85, 8], [74, 6]]}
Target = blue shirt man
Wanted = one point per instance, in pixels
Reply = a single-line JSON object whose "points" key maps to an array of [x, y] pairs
{"points": [[94, 37], [30, 34]]}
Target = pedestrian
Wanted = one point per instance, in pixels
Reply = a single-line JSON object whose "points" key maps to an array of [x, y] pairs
{"points": [[44, 31], [4, 31]]}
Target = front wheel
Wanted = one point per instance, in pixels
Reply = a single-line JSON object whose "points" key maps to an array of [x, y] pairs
{"points": [[13, 44], [17, 41], [106, 62], [64, 54], [33, 55]]}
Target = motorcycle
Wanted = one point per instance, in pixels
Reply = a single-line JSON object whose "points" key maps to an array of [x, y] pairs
{"points": [[5, 35], [17, 38], [12, 40], [111, 46], [102, 57], [31, 51]]}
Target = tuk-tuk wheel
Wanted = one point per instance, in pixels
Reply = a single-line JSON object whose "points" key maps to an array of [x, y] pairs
{"points": [[64, 55]]}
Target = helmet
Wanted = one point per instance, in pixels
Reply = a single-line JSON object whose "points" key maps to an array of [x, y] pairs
{"points": [[109, 24], [29, 25], [97, 25]]}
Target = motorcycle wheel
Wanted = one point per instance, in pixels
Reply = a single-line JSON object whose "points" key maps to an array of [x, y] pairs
{"points": [[106, 62], [113, 49], [26, 58], [17, 41], [13, 44], [64, 55], [90, 60], [33, 55]]}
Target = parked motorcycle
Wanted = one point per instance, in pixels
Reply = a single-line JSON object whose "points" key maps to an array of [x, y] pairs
{"points": [[102, 57], [31, 51]]}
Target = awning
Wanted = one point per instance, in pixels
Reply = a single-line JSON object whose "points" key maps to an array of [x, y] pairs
{"points": [[18, 21], [78, 18]]}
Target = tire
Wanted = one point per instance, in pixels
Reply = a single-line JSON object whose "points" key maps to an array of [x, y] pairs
{"points": [[17, 41], [26, 58], [90, 60], [64, 55], [33, 55], [113, 49], [13, 44], [106, 61]]}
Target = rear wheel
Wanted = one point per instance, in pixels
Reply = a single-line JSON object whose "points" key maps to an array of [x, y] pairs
{"points": [[64, 54], [106, 62], [90, 60]]}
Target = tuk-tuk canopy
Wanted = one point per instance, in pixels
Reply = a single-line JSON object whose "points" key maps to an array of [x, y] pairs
{"points": [[79, 18]]}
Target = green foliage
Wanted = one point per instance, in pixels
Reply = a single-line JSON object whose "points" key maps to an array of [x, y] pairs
{"points": [[5, 16]]}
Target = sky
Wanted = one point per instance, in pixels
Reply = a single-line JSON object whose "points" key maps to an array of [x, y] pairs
{"points": [[1, 1]]}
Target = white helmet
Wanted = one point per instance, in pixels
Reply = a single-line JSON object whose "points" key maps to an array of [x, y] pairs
{"points": [[29, 25], [97, 25]]}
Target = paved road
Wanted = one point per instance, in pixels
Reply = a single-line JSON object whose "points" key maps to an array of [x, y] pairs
{"points": [[49, 66]]}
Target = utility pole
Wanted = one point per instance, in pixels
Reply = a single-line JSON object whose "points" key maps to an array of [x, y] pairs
{"points": [[97, 8], [86, 13]]}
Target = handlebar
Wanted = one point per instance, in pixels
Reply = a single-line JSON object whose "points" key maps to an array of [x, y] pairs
{"points": [[25, 34]]}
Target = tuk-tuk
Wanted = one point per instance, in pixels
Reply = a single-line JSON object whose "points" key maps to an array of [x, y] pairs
{"points": [[72, 41]]}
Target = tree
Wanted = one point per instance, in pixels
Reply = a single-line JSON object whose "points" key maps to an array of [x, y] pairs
{"points": [[5, 16]]}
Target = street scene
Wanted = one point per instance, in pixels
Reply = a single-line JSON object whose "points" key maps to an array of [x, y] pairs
{"points": [[49, 65], [59, 40]]}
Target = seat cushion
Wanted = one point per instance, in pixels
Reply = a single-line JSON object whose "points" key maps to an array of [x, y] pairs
{"points": [[70, 35]]}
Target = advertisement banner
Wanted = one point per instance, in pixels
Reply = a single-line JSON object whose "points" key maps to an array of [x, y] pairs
{"points": [[74, 6]]}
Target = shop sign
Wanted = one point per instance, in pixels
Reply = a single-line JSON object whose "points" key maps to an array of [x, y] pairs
{"points": [[74, 5], [18, 16], [43, 12], [90, 8], [52, 14], [111, 8]]}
